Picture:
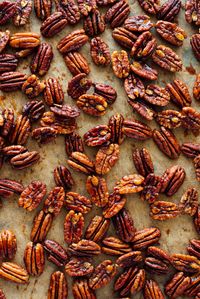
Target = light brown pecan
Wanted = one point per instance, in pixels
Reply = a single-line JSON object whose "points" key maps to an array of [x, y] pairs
{"points": [[58, 286], [80, 162], [99, 51], [136, 129], [54, 202], [128, 259], [63, 177], [78, 203], [24, 40], [34, 258], [33, 110], [156, 95], [32, 87], [163, 210], [53, 24], [117, 14], [22, 12], [106, 158], [44, 134], [194, 248], [142, 161], [14, 273], [43, 8], [69, 9], [55, 253], [190, 149], [76, 63], [186, 263], [138, 24], [167, 59], [157, 261], [132, 183], [73, 143], [41, 61], [124, 37], [114, 246], [196, 162], [192, 12], [73, 227], [177, 285], [32, 195], [73, 41], [20, 131], [179, 93], [134, 88], [78, 86], [150, 6], [9, 187], [81, 289], [11, 81], [92, 104], [84, 247], [97, 136], [120, 64], [94, 23], [195, 44], [78, 267], [7, 11], [196, 88], [189, 202], [41, 226], [8, 244], [97, 228], [116, 128], [152, 185], [169, 10], [144, 46], [124, 225], [152, 290], [115, 203], [145, 238], [86, 6], [170, 119], [190, 118], [102, 274], [4, 39], [8, 63], [53, 93], [171, 32], [98, 190]]}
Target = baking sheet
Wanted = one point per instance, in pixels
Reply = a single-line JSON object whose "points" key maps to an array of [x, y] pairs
{"points": [[175, 232]]}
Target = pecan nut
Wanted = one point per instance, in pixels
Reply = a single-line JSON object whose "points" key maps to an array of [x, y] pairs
{"points": [[80, 162], [114, 246], [53, 93], [116, 202], [177, 285], [41, 61], [86, 6], [25, 40], [102, 274], [54, 202], [171, 32], [92, 104], [196, 88], [134, 88], [69, 9], [138, 24], [144, 46], [192, 12], [22, 12], [43, 8], [33, 110], [20, 131], [169, 10], [150, 6], [78, 203], [167, 59], [73, 227], [172, 180], [55, 253], [73, 143], [77, 267], [142, 161], [196, 162], [152, 185], [34, 258], [143, 70], [32, 87], [11, 81], [8, 63], [98, 190], [63, 177], [81, 289], [186, 263], [194, 248], [179, 93], [14, 273], [157, 261], [116, 128], [128, 259], [117, 14], [99, 51], [190, 149], [106, 91], [97, 135], [190, 118], [94, 23], [58, 286], [53, 24], [41, 226], [120, 64], [76, 63], [25, 160], [195, 44], [106, 158], [97, 228], [7, 11], [152, 290], [145, 238], [78, 86], [124, 225], [83, 248], [163, 210], [4, 39], [189, 202], [44, 134], [8, 121], [73, 41], [132, 183], [170, 119], [124, 37], [8, 245], [9, 187], [142, 109]]}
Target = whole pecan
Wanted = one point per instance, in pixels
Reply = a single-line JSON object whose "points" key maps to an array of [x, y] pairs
{"points": [[106, 91], [150, 6], [117, 14], [54, 202], [97, 135], [177, 285], [83, 248], [179, 93], [152, 185], [86, 6], [190, 118], [78, 267], [57, 286], [81, 289], [194, 248], [78, 86], [76, 63], [99, 51], [4, 39], [78, 203], [43, 8], [22, 12], [142, 108], [167, 59], [134, 87], [8, 63], [169, 10], [145, 238], [32, 195], [14, 273], [102, 274], [128, 259], [106, 158], [80, 162], [97, 228], [94, 23], [192, 12], [63, 177], [190, 149], [11, 81], [33, 110], [120, 64], [114, 246], [136, 129], [73, 227], [157, 261], [116, 128], [142, 161], [144, 46], [41, 226], [98, 190], [53, 24], [8, 244], [143, 70], [170, 119], [44, 134], [163, 210], [152, 290], [73, 143], [124, 37], [69, 9], [7, 11], [9, 187], [189, 202], [32, 87], [55, 253], [156, 95], [20, 131], [196, 88], [34, 258], [138, 23], [24, 40], [92, 104], [132, 183], [41, 61], [196, 162], [124, 225], [116, 202], [195, 44], [186, 263], [73, 41]]}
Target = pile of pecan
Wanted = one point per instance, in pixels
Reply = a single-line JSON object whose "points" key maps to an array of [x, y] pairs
{"points": [[136, 256]]}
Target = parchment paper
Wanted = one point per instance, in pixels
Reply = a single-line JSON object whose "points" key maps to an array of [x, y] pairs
{"points": [[175, 233]]}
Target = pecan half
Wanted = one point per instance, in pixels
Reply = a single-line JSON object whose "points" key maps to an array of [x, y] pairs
{"points": [[33, 110], [84, 247], [106, 158], [54, 202], [69, 9], [76, 63], [20, 131], [53, 93], [142, 161], [80, 162], [163, 210], [132, 183], [138, 23], [124, 225], [117, 14], [41, 61], [34, 258], [169, 10], [78, 203], [44, 134], [186, 263], [136, 130], [14, 273], [7, 11], [177, 285], [94, 23], [13, 150], [128, 259], [53, 24], [4, 39], [73, 227], [24, 40], [58, 286], [156, 95], [152, 185], [22, 12], [167, 59], [78, 267], [11, 81], [78, 86], [8, 122], [190, 118], [114, 246], [157, 261], [102, 274], [145, 238], [92, 104], [116, 202], [81, 289], [171, 32], [86, 6], [116, 128], [120, 64], [196, 162], [97, 135], [41, 226], [98, 190], [194, 248], [144, 71], [144, 46], [8, 244], [170, 119], [9, 187], [152, 290], [73, 41], [190, 149], [8, 63], [97, 228], [189, 202], [196, 88], [150, 6], [73, 143], [194, 286], [179, 93], [195, 44], [55, 253], [124, 37], [142, 109], [99, 51], [25, 160], [134, 87], [63, 177], [32, 87], [43, 8], [192, 12]]}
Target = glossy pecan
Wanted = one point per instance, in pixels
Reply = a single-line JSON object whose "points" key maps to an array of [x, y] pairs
{"points": [[41, 226], [190, 118], [99, 51], [81, 289], [84, 247], [142, 109], [9, 187], [34, 258], [78, 203], [78, 267], [102, 274], [163, 210], [54, 202], [22, 53], [138, 23], [120, 64], [97, 135], [73, 227], [144, 46], [114, 246], [73, 143], [169, 10], [43, 8], [143, 70], [152, 290], [195, 44], [142, 161], [150, 6], [196, 88], [76, 63], [186, 263], [194, 286], [132, 183], [44, 134], [69, 9], [98, 190], [190, 149], [53, 93], [156, 95], [8, 63], [92, 104], [189, 202], [4, 39], [94, 23], [170, 119], [33, 110], [124, 37], [55, 253], [24, 40], [124, 225], [80, 162], [20, 131], [53, 24], [192, 12], [22, 12], [8, 244], [116, 202], [14, 273], [145, 238], [78, 86], [116, 128], [54, 124], [179, 93], [13, 150], [167, 59], [97, 228], [152, 185], [63, 177], [177, 285], [32, 87], [73, 41], [32, 195], [194, 248], [106, 158], [11, 81], [134, 87], [196, 162], [41, 61], [128, 259], [117, 14], [157, 261], [57, 286], [7, 11], [86, 6]]}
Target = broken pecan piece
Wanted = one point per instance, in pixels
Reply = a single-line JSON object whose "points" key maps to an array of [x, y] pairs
{"points": [[73, 41], [41, 61], [169, 10], [8, 244], [167, 59], [102, 274], [124, 225], [189, 202], [98, 190], [106, 158], [34, 258], [73, 227], [99, 51], [53, 24], [32, 87]]}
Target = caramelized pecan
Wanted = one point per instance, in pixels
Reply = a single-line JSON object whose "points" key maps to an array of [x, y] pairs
{"points": [[138, 23], [20, 131], [78, 203], [99, 51], [189, 202], [58, 286], [55, 253], [194, 248], [150, 6], [132, 183], [44, 134], [114, 246], [157, 261], [195, 44], [179, 93], [84, 247], [124, 37], [94, 23], [41, 61], [116, 202], [170, 119], [144, 46], [196, 88], [97, 228], [142, 109], [25, 160], [169, 10], [8, 244], [190, 149], [14, 273], [145, 238], [73, 227], [192, 12], [78, 267], [186, 263], [24, 40], [69, 9], [163, 210], [76, 63], [4, 39], [124, 225], [128, 259], [177, 285], [11, 81], [102, 274], [137, 130], [117, 14], [34, 258], [120, 64], [106, 158], [81, 289], [92, 104], [116, 128], [134, 87], [53, 24], [78, 86], [196, 162], [152, 185], [98, 190], [53, 93], [33, 110], [54, 202], [142, 161], [152, 290], [86, 6], [73, 41], [63, 177], [97, 135], [43, 8], [7, 11], [73, 143], [41, 226], [32, 87], [9, 187], [190, 118], [80, 162], [167, 59], [156, 95], [144, 71], [22, 12], [171, 32], [8, 63]]}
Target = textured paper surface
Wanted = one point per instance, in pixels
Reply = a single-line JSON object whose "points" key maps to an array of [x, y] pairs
{"points": [[175, 233]]}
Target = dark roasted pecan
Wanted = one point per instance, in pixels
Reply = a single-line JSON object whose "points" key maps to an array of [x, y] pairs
{"points": [[171, 32], [136, 129], [144, 71], [57, 286], [190, 149], [69, 9], [97, 228], [138, 23], [189, 202], [77, 202], [167, 142], [92, 104], [13, 150], [196, 88], [152, 290], [195, 44], [130, 281], [114, 246], [53, 24], [73, 143], [43, 8], [132, 183], [4, 39], [7, 11], [84, 248], [186, 263], [134, 87], [14, 273], [102, 274], [117, 14], [142, 161], [8, 122], [152, 185], [25, 160], [128, 259], [33, 110], [196, 162], [150, 6], [9, 187], [116, 128], [41, 61], [157, 261], [170, 119], [41, 226], [145, 238], [53, 93], [24, 40], [163, 210], [106, 91], [179, 93], [156, 95], [55, 253], [124, 225], [63, 177], [11, 81], [32, 87], [76, 63], [99, 51], [106, 158], [54, 202], [34, 258], [115, 203], [81, 289], [177, 285], [86, 6], [20, 131], [194, 248], [192, 12], [167, 59], [98, 190], [169, 10], [172, 179], [94, 23], [120, 64], [32, 195], [124, 37], [144, 46], [73, 41], [194, 286], [73, 227], [190, 118], [22, 12], [78, 267], [80, 162], [8, 63], [142, 109], [8, 245], [78, 86], [44, 135], [97, 135]]}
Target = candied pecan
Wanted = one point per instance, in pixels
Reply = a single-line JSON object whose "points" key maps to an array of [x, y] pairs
{"points": [[22, 12], [73, 41], [11, 81], [80, 162], [77, 202], [117, 14], [54, 202], [20, 131], [170, 119], [156, 95], [138, 23], [97, 135], [78, 86], [97, 228], [76, 63], [144, 71], [65, 111], [142, 109], [25, 160], [145, 238], [41, 226], [43, 8], [63, 177], [33, 110], [34, 258], [8, 63], [32, 87], [169, 10], [94, 23], [129, 184], [14, 273], [73, 143], [144, 46], [106, 158], [99, 51], [124, 225], [192, 12], [194, 286], [167, 142], [69, 9], [7, 11], [13, 150], [196, 88], [134, 87], [8, 245], [186, 263], [142, 161], [194, 248], [189, 202], [4, 39], [120, 64], [114, 246], [55, 253], [58, 124], [190, 118], [9, 187], [77, 267], [32, 195], [152, 185], [130, 281], [106, 91], [116, 128], [44, 134], [171, 32], [157, 261], [190, 149], [196, 162], [179, 93], [81, 289], [124, 37], [152, 290], [102, 274], [84, 248], [53, 24], [57, 286], [167, 59], [115, 203], [86, 6], [24, 40], [150, 6], [98, 190], [177, 285], [73, 227], [53, 93], [41, 61], [195, 44], [128, 259], [163, 210], [92, 104]]}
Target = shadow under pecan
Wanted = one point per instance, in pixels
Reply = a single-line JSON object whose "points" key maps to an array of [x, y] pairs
{"points": [[41, 226], [53, 93], [114, 246], [129, 259], [145, 238], [194, 248], [69, 9], [170, 119], [195, 44], [24, 40], [81, 289], [97, 228], [14, 273], [11, 81], [22, 12], [7, 11], [78, 267], [143, 70], [196, 88], [78, 86], [99, 51], [72, 41], [78, 203], [80, 162], [9, 187], [177, 285], [8, 63], [57, 286], [76, 63], [152, 290], [124, 225], [116, 202], [106, 158], [55, 253], [34, 258], [167, 59], [189, 202], [157, 261], [43, 8], [124, 37], [134, 88], [98, 190], [192, 12], [73, 143], [63, 177], [179, 93], [33, 110], [53, 24], [144, 46], [83, 248], [117, 13], [94, 23], [120, 64], [138, 24], [41, 61], [8, 244], [73, 227], [32, 87], [169, 10], [92, 104], [163, 210], [4, 39]]}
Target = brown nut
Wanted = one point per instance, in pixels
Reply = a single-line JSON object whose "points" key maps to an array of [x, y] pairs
{"points": [[98, 190], [33, 110], [55, 253], [73, 227], [73, 143], [190, 118], [41, 226], [41, 61], [145, 238], [63, 177], [192, 12], [81, 289], [8, 63], [138, 24], [4, 39], [20, 131], [22, 12], [78, 267], [114, 246], [9, 187], [142, 108], [196, 162], [190, 149], [76, 63], [97, 136], [55, 200], [150, 6], [34, 258], [177, 285], [124, 225], [152, 186], [73, 41], [92, 104], [53, 24], [80, 162], [196, 88], [43, 8], [142, 161], [170, 119], [179, 93], [83, 248], [128, 259], [117, 14], [14, 273], [102, 274], [134, 88], [144, 46], [169, 10], [157, 261], [189, 202], [152, 290], [7, 11], [120, 64], [24, 40], [99, 51], [44, 134], [195, 44], [194, 248], [97, 228], [53, 93], [167, 59], [186, 263], [106, 158], [136, 130], [116, 202], [132, 183], [86, 6], [143, 70], [32, 87], [69, 9], [58, 286], [94, 23], [106, 91], [156, 95], [124, 37], [78, 86], [8, 245], [163, 210], [11, 81], [78, 203]]}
